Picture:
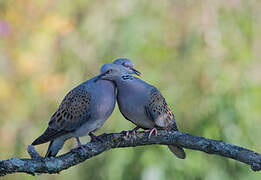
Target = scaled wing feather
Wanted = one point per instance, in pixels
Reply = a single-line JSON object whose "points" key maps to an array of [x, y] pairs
{"points": [[71, 114], [159, 110]]}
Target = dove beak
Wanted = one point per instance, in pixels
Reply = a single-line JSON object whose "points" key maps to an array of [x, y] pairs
{"points": [[99, 77], [138, 73]]}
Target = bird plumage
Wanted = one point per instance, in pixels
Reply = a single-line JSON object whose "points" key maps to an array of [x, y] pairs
{"points": [[157, 113], [72, 113], [143, 104], [82, 111]]}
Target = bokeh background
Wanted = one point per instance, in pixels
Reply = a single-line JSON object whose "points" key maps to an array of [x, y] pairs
{"points": [[204, 56]]}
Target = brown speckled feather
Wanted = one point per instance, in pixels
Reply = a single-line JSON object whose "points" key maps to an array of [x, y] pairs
{"points": [[71, 114], [159, 111]]}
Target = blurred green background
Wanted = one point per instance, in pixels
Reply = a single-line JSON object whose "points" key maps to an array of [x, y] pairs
{"points": [[202, 56]]}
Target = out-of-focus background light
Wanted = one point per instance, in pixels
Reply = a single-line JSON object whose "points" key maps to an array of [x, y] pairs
{"points": [[204, 56]]}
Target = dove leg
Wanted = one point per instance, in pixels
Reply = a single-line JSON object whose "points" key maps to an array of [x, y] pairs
{"points": [[151, 132], [79, 144]]}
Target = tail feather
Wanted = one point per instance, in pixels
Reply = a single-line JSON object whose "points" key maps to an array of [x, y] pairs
{"points": [[40, 140], [49, 152], [48, 135], [54, 147], [178, 151]]}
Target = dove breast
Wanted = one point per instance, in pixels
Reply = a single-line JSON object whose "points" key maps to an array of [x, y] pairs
{"points": [[102, 103]]}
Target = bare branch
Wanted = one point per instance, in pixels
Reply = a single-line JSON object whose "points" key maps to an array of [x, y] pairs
{"points": [[38, 164]]}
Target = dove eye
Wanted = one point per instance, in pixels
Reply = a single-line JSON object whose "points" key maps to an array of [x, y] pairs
{"points": [[109, 71], [126, 65]]}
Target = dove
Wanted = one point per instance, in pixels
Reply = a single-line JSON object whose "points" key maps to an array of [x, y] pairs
{"points": [[142, 104], [82, 111]]}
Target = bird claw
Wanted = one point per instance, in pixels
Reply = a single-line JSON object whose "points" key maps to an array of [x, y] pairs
{"points": [[151, 132], [129, 133], [96, 138], [80, 147], [132, 132]]}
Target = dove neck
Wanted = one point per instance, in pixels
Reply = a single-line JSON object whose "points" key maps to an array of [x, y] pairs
{"points": [[132, 84]]}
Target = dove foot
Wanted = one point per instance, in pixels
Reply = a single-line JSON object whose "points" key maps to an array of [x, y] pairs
{"points": [[96, 138], [133, 132], [80, 146], [151, 132]]}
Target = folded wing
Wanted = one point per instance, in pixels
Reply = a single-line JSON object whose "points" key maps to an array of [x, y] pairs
{"points": [[159, 111], [71, 114]]}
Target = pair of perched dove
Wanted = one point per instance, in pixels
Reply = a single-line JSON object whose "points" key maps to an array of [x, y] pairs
{"points": [[86, 107]]}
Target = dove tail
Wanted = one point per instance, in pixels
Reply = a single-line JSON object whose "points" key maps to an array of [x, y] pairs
{"points": [[178, 151], [48, 135], [54, 147], [49, 152]]}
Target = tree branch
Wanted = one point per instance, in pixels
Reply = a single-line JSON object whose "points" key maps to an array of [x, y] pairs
{"points": [[38, 164]]}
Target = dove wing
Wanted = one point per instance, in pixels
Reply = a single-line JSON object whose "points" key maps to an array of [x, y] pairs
{"points": [[71, 114], [159, 111]]}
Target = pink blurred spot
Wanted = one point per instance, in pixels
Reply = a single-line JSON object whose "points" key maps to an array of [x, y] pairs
{"points": [[4, 28]]}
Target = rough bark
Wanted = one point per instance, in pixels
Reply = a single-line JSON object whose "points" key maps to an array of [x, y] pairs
{"points": [[38, 164]]}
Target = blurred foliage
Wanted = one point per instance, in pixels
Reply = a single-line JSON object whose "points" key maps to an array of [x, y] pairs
{"points": [[202, 55]]}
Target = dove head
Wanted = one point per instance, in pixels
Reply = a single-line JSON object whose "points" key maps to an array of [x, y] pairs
{"points": [[128, 65], [112, 72]]}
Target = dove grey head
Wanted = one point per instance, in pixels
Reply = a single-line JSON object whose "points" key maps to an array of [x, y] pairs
{"points": [[113, 72], [128, 65]]}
